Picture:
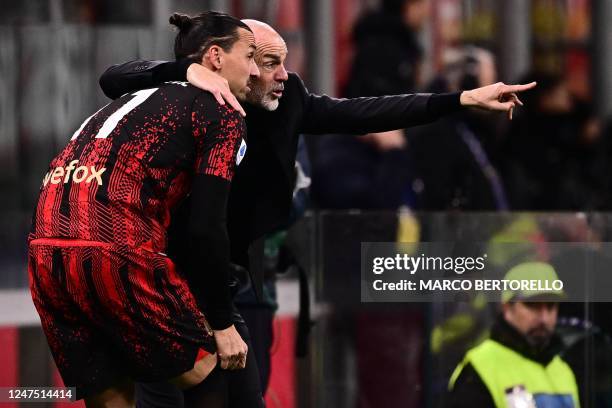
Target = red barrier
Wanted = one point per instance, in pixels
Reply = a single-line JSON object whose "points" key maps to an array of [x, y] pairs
{"points": [[9, 360], [281, 391]]}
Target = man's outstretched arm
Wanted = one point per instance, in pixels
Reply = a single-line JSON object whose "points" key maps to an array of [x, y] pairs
{"points": [[323, 114]]}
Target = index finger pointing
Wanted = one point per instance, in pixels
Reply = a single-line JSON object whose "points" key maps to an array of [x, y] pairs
{"points": [[519, 88]]}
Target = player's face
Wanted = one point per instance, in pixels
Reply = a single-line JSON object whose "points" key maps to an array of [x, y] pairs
{"points": [[239, 64], [270, 58]]}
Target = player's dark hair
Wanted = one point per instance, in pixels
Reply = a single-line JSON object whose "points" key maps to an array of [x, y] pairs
{"points": [[198, 33]]}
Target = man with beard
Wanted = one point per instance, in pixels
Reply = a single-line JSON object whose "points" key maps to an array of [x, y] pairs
{"points": [[280, 108], [519, 365]]}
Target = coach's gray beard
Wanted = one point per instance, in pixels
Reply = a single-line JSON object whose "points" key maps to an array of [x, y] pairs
{"points": [[258, 97], [269, 103]]}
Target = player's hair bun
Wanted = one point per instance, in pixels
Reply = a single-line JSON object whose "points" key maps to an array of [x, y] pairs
{"points": [[182, 21]]}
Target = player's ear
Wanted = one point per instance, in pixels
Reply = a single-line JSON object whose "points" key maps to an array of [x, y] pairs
{"points": [[214, 56]]}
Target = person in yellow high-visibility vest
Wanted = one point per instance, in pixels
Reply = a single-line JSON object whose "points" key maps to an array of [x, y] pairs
{"points": [[519, 365]]}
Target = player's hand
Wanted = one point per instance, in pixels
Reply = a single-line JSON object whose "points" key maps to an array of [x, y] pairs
{"points": [[203, 78], [497, 97], [231, 349]]}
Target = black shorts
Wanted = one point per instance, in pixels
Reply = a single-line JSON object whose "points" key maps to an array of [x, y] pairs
{"points": [[112, 313]]}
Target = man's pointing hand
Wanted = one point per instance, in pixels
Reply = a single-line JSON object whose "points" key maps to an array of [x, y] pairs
{"points": [[497, 97]]}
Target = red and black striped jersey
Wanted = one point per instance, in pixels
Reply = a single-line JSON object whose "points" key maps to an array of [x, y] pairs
{"points": [[132, 161]]}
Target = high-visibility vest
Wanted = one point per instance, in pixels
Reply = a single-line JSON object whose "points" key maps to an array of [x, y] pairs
{"points": [[514, 380]]}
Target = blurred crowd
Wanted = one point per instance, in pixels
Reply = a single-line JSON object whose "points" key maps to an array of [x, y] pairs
{"points": [[550, 157]]}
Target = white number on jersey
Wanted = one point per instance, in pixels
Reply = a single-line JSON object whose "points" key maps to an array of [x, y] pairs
{"points": [[111, 122]]}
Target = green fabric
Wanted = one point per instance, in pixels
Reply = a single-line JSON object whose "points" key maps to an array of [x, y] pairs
{"points": [[500, 368]]}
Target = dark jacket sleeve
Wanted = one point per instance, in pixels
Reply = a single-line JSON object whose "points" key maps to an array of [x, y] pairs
{"points": [[324, 114], [135, 75], [469, 390]]}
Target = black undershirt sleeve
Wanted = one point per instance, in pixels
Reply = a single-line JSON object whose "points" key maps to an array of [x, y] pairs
{"points": [[209, 253]]}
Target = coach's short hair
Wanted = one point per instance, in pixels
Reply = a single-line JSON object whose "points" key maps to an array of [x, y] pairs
{"points": [[198, 33]]}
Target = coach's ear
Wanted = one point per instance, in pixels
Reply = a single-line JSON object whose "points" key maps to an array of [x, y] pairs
{"points": [[213, 58]]}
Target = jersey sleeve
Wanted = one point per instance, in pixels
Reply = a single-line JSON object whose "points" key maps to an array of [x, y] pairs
{"points": [[218, 131], [218, 138]]}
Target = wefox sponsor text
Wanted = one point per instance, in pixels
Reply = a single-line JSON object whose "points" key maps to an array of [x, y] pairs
{"points": [[80, 174]]}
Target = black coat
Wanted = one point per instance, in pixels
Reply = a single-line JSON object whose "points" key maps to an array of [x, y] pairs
{"points": [[262, 188]]}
